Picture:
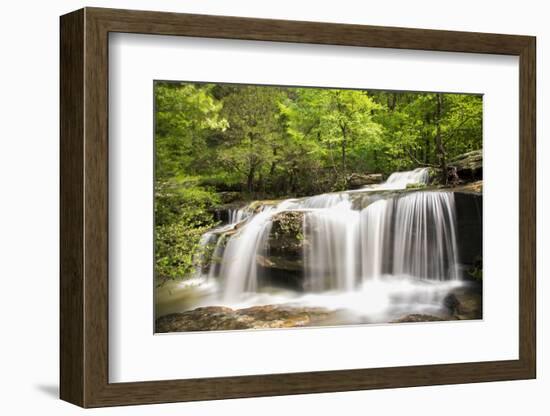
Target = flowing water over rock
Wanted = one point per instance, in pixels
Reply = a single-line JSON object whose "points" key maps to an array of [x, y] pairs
{"points": [[400, 180], [237, 215], [394, 254]]}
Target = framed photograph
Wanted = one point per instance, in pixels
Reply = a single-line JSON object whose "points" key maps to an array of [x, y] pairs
{"points": [[255, 207]]}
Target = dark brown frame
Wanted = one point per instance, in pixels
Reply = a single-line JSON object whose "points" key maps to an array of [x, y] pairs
{"points": [[84, 207]]}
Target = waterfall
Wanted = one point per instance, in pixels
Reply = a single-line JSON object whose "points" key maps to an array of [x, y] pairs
{"points": [[323, 200], [425, 236], [400, 180], [237, 215], [239, 271], [375, 236], [239, 268], [332, 236], [409, 235]]}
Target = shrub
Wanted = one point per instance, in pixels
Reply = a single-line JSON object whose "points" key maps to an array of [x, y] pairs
{"points": [[181, 217]]}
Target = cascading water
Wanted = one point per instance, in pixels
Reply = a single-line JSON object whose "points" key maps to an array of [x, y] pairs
{"points": [[426, 246], [375, 222], [400, 180], [410, 235], [346, 245], [332, 236], [238, 215], [238, 267]]}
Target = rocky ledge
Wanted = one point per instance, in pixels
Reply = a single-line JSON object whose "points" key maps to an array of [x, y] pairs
{"points": [[359, 180], [469, 166], [214, 318]]}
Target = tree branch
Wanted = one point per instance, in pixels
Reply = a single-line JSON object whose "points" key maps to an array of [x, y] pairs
{"points": [[418, 162], [456, 129]]}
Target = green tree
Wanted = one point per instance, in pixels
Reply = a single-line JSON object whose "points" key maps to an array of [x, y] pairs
{"points": [[185, 115], [340, 122], [252, 137]]}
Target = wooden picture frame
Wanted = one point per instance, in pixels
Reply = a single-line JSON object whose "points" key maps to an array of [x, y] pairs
{"points": [[84, 207]]}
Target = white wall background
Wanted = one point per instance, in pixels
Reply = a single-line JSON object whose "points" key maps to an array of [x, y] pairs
{"points": [[29, 210]]}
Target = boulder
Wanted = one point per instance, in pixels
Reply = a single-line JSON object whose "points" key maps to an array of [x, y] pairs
{"points": [[469, 166], [286, 237], [358, 180], [465, 302], [282, 263]]}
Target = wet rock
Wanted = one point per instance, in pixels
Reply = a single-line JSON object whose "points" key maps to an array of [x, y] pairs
{"points": [[451, 302], [418, 317], [465, 302], [358, 180], [279, 262], [222, 318], [282, 262]]}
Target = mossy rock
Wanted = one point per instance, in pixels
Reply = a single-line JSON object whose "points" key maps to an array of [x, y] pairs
{"points": [[286, 237], [416, 186]]}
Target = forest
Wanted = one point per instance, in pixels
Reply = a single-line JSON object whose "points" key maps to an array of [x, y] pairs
{"points": [[220, 143]]}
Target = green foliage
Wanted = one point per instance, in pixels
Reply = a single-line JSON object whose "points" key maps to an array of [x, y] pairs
{"points": [[412, 121], [181, 217], [336, 126], [416, 185], [185, 115]]}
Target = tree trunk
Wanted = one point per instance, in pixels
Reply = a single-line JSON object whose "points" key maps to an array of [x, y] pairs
{"points": [[426, 149], [251, 165], [344, 145], [250, 179], [273, 163], [392, 101], [440, 148]]}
